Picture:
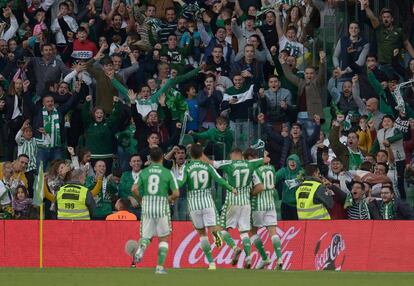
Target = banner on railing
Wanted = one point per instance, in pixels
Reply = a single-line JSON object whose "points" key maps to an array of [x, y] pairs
{"points": [[310, 245]]}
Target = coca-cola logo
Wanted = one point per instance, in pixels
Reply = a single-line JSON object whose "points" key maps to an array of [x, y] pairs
{"points": [[330, 252], [190, 253]]}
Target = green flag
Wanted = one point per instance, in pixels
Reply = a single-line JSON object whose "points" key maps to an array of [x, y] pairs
{"points": [[38, 187]]}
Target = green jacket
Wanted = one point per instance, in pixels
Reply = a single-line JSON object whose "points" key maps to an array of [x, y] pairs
{"points": [[99, 137], [104, 198], [126, 139], [291, 180], [351, 160], [216, 136], [125, 185]]}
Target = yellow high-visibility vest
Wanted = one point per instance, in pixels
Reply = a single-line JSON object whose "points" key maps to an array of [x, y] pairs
{"points": [[306, 208], [71, 202]]}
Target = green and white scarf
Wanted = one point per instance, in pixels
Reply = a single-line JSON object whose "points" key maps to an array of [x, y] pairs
{"points": [[52, 127], [145, 106], [388, 210]]}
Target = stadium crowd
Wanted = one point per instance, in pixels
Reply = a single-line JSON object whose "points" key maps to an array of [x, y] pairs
{"points": [[94, 85]]}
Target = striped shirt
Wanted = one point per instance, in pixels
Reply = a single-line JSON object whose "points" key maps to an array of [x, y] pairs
{"points": [[155, 207], [166, 29], [358, 210], [29, 148], [198, 176], [264, 201], [154, 183], [239, 175]]}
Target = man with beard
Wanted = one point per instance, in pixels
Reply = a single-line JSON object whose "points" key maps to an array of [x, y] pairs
{"points": [[390, 207], [295, 143], [350, 155], [348, 100], [116, 29], [388, 36]]}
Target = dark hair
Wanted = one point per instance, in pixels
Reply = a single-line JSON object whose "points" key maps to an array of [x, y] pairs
{"points": [[371, 55], [297, 124], [125, 204], [134, 155], [221, 119], [218, 47], [24, 190], [388, 186], [366, 166], [260, 46], [82, 29], [196, 151], [106, 61], [47, 45], [387, 116], [250, 152], [382, 151], [189, 86], [311, 169], [236, 150], [117, 172], [23, 155], [273, 76], [156, 154], [82, 151], [359, 183], [169, 8], [153, 132], [385, 166], [142, 86], [64, 4], [386, 10], [291, 27]]}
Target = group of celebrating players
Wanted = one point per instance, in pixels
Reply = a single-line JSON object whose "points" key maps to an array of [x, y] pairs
{"points": [[249, 204]]}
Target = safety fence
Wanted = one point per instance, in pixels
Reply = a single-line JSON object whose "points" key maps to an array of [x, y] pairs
{"points": [[306, 245]]}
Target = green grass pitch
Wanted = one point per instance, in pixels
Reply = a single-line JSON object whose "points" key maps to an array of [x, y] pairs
{"points": [[195, 277]]}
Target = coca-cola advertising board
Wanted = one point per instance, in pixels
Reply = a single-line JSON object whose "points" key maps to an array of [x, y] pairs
{"points": [[306, 245]]}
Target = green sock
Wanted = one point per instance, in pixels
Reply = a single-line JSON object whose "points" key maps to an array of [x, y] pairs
{"points": [[144, 242], [246, 243], [276, 246], [205, 246], [227, 239], [162, 253], [259, 246]]}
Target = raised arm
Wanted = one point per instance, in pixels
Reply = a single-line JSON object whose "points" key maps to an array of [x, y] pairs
{"points": [[278, 24], [370, 14]]}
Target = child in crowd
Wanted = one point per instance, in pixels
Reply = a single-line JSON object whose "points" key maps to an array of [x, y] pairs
{"points": [[21, 203], [219, 135]]}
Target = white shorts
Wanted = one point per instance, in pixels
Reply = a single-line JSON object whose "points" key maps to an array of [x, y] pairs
{"points": [[159, 227], [264, 218], [204, 218], [236, 217]]}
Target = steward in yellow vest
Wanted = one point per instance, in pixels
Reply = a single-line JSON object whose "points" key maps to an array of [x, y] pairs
{"points": [[74, 201], [312, 202]]}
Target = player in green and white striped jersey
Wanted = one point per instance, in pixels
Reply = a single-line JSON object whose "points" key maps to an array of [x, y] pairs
{"points": [[264, 209], [152, 187], [199, 179], [236, 209]]}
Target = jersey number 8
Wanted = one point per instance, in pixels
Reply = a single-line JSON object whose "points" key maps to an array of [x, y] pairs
{"points": [[153, 183]]}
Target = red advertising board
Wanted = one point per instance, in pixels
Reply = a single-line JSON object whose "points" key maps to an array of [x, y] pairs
{"points": [[306, 245]]}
